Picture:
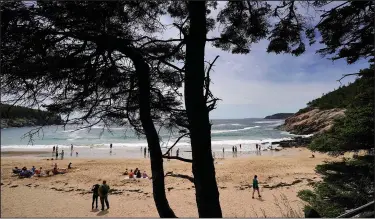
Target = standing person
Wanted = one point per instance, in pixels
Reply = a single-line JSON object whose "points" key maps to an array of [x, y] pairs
{"points": [[71, 147], [256, 145], [178, 152], [62, 154], [256, 186], [233, 149], [57, 154], [240, 146], [110, 146], [57, 148], [144, 151], [53, 149], [103, 194], [95, 195]]}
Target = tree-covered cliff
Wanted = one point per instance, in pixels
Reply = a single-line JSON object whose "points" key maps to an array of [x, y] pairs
{"points": [[279, 116], [18, 116]]}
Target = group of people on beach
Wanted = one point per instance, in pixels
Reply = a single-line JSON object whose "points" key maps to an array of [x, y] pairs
{"points": [[100, 191], [55, 151], [136, 174], [25, 173]]}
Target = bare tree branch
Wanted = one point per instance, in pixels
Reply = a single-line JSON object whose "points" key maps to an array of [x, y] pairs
{"points": [[346, 75], [175, 143], [178, 158]]}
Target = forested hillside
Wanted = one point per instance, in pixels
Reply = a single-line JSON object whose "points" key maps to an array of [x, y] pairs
{"points": [[18, 116], [349, 183], [338, 98]]}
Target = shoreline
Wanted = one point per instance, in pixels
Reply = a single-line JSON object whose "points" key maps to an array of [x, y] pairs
{"points": [[279, 176], [116, 153]]}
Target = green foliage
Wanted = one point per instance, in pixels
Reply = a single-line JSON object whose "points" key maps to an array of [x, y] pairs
{"points": [[348, 31], [18, 114], [346, 185], [356, 130], [339, 98]]}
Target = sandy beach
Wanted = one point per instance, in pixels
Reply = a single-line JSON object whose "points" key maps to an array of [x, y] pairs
{"points": [[281, 175]]}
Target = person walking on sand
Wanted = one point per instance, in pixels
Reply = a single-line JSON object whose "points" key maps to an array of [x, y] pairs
{"points": [[256, 186], [103, 194], [95, 195]]}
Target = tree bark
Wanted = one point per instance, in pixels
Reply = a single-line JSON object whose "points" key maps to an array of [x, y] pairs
{"points": [[207, 194], [158, 184]]}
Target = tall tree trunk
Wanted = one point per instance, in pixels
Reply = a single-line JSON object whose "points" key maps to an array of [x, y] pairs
{"points": [[158, 184], [207, 194]]}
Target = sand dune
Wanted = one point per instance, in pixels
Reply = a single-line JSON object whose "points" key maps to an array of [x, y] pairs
{"points": [[68, 195]]}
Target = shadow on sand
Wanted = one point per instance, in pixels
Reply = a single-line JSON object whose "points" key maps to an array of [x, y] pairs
{"points": [[101, 213]]}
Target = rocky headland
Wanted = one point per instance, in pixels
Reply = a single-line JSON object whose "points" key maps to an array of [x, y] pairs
{"points": [[311, 121]]}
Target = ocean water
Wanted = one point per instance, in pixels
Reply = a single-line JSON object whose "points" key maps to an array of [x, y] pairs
{"points": [[225, 134]]}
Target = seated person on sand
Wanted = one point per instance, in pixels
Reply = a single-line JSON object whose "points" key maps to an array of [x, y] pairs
{"points": [[57, 171], [16, 170], [126, 172], [136, 171], [138, 174], [312, 156], [33, 169], [144, 175], [131, 174], [38, 172], [70, 165], [26, 173]]}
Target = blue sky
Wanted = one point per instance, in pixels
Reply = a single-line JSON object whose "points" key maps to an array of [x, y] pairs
{"points": [[260, 84]]}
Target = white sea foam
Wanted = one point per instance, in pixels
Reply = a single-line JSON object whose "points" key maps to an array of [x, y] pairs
{"points": [[183, 144], [266, 122], [233, 130], [234, 124]]}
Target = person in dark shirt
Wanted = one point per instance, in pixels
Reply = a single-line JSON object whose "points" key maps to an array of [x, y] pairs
{"points": [[138, 174], [256, 186], [70, 165], [103, 194], [95, 195]]}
